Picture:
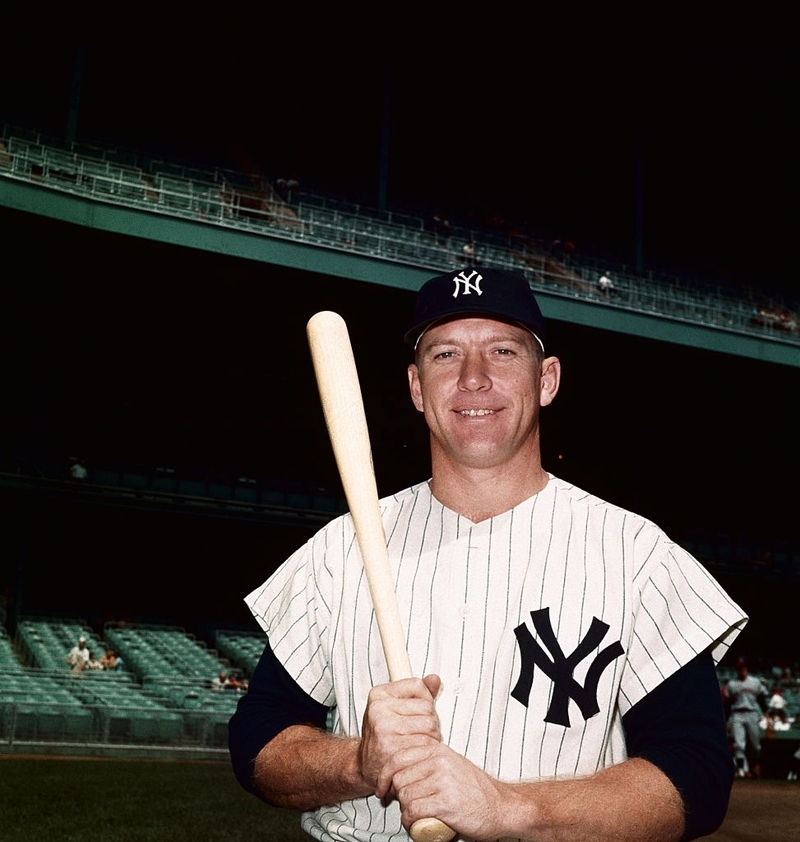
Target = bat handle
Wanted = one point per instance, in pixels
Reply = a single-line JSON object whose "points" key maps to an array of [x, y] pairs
{"points": [[431, 830]]}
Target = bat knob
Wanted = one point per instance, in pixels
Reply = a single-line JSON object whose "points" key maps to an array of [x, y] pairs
{"points": [[431, 830]]}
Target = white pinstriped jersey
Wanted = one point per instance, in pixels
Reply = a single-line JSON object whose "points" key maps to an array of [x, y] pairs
{"points": [[546, 624]]}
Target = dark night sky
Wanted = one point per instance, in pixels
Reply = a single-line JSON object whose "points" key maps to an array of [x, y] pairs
{"points": [[198, 360]]}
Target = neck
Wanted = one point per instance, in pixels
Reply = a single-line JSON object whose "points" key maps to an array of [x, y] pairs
{"points": [[482, 493]]}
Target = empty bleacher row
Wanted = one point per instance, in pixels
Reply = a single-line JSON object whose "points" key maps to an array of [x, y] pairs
{"points": [[243, 648], [160, 699]]}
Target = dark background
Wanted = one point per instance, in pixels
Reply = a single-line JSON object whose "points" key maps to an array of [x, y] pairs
{"points": [[121, 349], [544, 121]]}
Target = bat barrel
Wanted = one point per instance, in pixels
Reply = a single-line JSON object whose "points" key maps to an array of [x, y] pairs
{"points": [[343, 407]]}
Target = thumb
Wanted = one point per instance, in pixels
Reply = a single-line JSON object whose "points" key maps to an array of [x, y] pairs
{"points": [[433, 683]]}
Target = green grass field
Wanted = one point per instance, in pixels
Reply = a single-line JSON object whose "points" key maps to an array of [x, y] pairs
{"points": [[55, 800]]}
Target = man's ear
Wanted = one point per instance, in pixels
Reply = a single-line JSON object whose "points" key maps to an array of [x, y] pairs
{"points": [[550, 380], [414, 387]]}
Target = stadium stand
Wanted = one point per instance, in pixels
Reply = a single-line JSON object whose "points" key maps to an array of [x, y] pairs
{"points": [[45, 643], [241, 648], [161, 701], [9, 663], [153, 651], [251, 203], [163, 704]]}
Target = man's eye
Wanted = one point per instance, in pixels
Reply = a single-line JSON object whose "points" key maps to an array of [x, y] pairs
{"points": [[444, 355]]}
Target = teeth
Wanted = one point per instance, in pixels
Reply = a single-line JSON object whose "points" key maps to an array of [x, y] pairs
{"points": [[474, 412]]}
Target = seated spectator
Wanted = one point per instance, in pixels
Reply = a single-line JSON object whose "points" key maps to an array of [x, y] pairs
{"points": [[109, 660], [78, 470], [220, 681], [468, 252], [236, 682], [78, 656], [93, 663], [605, 284]]}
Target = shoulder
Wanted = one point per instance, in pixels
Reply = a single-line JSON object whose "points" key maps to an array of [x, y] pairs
{"points": [[646, 549], [392, 502], [566, 495], [337, 538], [390, 507], [414, 494], [567, 492]]}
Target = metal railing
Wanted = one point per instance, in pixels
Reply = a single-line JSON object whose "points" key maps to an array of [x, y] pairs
{"points": [[26, 724], [59, 708]]}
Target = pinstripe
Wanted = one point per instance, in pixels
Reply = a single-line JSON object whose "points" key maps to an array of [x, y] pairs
{"points": [[462, 589], [495, 678]]}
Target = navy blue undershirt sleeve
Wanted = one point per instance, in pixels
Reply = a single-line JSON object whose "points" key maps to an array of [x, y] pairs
{"points": [[273, 702], [680, 728]]}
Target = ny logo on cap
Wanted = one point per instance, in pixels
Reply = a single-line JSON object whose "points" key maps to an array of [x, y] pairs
{"points": [[469, 285]]}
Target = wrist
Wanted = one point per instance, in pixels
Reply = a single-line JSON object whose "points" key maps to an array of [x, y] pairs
{"points": [[518, 812]]}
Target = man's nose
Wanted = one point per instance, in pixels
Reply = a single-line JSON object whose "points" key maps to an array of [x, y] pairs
{"points": [[474, 375]]}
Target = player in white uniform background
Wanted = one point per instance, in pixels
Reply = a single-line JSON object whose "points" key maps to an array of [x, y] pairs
{"points": [[568, 645], [746, 697]]}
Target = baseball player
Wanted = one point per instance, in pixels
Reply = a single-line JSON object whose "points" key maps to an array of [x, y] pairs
{"points": [[567, 646], [746, 698]]}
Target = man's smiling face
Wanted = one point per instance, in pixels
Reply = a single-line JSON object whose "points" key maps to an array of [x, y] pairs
{"points": [[478, 383]]}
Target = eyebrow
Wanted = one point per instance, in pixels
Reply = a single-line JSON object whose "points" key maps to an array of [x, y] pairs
{"points": [[494, 338]]}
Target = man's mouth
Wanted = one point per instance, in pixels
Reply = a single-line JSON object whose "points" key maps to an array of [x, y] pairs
{"points": [[475, 412]]}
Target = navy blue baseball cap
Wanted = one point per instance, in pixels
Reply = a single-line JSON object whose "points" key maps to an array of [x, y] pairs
{"points": [[496, 293]]}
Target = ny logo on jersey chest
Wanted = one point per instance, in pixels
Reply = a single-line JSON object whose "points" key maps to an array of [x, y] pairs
{"points": [[559, 668]]}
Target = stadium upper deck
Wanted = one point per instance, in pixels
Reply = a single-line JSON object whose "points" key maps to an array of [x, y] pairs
{"points": [[251, 204]]}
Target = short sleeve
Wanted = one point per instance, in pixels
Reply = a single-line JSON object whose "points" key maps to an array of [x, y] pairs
{"points": [[679, 611], [294, 609]]}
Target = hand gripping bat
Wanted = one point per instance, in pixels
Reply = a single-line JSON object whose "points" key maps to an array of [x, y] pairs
{"points": [[343, 406]]}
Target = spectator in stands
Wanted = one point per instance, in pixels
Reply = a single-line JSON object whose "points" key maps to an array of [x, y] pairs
{"points": [[605, 285], [468, 253], [236, 682], [776, 711], [93, 663], [78, 470], [220, 681], [285, 186], [78, 656], [109, 660], [746, 698]]}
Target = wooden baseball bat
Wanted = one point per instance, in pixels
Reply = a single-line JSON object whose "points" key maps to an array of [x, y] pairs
{"points": [[343, 406]]}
